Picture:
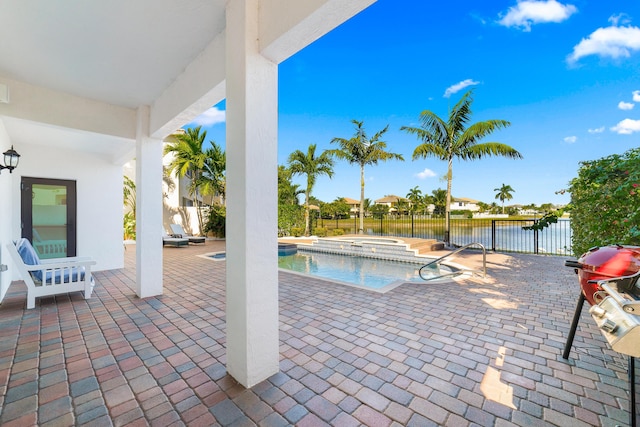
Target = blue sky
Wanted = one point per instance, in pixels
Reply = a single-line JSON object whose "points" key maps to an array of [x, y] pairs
{"points": [[566, 74]]}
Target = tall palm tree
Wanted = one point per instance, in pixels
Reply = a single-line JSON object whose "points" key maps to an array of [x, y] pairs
{"points": [[454, 139], [189, 160], [361, 150], [504, 193], [312, 166]]}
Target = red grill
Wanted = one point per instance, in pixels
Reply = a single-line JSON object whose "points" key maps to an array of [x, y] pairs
{"points": [[604, 263], [609, 280]]}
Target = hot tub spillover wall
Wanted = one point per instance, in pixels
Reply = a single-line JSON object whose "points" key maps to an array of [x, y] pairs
{"points": [[380, 248]]}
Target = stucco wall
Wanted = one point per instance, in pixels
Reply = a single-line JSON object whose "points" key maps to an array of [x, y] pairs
{"points": [[99, 194]]}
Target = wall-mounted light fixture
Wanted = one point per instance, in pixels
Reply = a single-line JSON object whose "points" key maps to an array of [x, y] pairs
{"points": [[11, 158]]}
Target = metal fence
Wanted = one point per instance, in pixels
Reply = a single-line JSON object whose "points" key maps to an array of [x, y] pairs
{"points": [[503, 235]]}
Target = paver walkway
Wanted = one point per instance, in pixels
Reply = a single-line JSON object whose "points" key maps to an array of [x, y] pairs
{"points": [[472, 353]]}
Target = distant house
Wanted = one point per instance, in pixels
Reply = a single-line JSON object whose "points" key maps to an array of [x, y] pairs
{"points": [[391, 201], [464, 204], [354, 205], [525, 212]]}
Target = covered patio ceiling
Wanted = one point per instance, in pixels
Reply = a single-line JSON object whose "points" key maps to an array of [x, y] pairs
{"points": [[84, 67]]}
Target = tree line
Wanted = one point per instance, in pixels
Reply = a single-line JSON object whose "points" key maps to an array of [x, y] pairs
{"points": [[445, 140]]}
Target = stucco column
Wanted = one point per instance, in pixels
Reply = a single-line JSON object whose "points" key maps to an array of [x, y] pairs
{"points": [[251, 243], [148, 209]]}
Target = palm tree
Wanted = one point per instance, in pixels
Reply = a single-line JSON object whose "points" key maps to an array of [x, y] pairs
{"points": [[439, 200], [504, 193], [361, 150], [212, 180], [415, 196], [311, 166], [402, 206], [287, 191], [189, 160], [454, 139], [367, 206]]}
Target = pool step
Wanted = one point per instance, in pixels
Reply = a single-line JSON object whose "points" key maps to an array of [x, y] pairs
{"points": [[410, 250], [427, 245]]}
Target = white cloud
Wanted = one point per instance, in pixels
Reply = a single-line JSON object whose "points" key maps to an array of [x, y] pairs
{"points": [[210, 117], [459, 86], [529, 12], [625, 105], [427, 173], [596, 130], [627, 127], [570, 139], [613, 42], [621, 18], [636, 95]]}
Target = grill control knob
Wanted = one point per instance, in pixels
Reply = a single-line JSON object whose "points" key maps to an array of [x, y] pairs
{"points": [[597, 311], [609, 326]]}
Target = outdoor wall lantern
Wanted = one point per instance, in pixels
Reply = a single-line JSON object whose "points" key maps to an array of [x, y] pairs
{"points": [[11, 158]]}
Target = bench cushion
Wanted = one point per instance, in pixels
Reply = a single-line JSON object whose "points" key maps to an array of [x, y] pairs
{"points": [[29, 256]]}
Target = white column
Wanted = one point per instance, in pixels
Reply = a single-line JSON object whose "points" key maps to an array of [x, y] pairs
{"points": [[251, 244], [148, 209]]}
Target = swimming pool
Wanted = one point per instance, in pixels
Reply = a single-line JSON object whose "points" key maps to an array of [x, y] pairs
{"points": [[370, 273]]}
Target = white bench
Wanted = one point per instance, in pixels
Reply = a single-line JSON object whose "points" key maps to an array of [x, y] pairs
{"points": [[51, 276]]}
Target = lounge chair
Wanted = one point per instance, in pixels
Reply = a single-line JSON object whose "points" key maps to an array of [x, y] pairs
{"points": [[50, 276], [168, 240], [178, 231]]}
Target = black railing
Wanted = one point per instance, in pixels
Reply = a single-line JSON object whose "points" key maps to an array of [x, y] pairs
{"points": [[502, 235]]}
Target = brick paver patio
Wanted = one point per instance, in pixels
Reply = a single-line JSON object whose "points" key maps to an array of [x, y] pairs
{"points": [[472, 353]]}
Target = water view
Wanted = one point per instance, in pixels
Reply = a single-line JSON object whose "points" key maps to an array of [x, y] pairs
{"points": [[504, 235]]}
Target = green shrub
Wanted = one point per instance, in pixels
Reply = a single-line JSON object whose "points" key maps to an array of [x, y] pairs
{"points": [[338, 232], [289, 216], [297, 231], [130, 226], [216, 221], [605, 202], [320, 232]]}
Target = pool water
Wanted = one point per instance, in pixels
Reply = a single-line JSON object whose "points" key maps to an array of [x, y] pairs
{"points": [[370, 273]]}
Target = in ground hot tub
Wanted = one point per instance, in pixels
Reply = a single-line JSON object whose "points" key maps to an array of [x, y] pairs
{"points": [[285, 249]]}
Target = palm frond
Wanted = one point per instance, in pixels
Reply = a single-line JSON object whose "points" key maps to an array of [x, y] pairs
{"points": [[425, 150], [485, 149]]}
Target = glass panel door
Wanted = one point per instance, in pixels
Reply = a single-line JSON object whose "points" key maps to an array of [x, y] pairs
{"points": [[48, 216]]}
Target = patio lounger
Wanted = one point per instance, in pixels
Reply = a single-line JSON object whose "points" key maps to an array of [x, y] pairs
{"points": [[178, 231], [50, 276], [174, 241]]}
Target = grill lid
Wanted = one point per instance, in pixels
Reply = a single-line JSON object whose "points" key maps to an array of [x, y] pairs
{"points": [[605, 262]]}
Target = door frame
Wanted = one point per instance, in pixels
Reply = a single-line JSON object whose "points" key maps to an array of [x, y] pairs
{"points": [[26, 209]]}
